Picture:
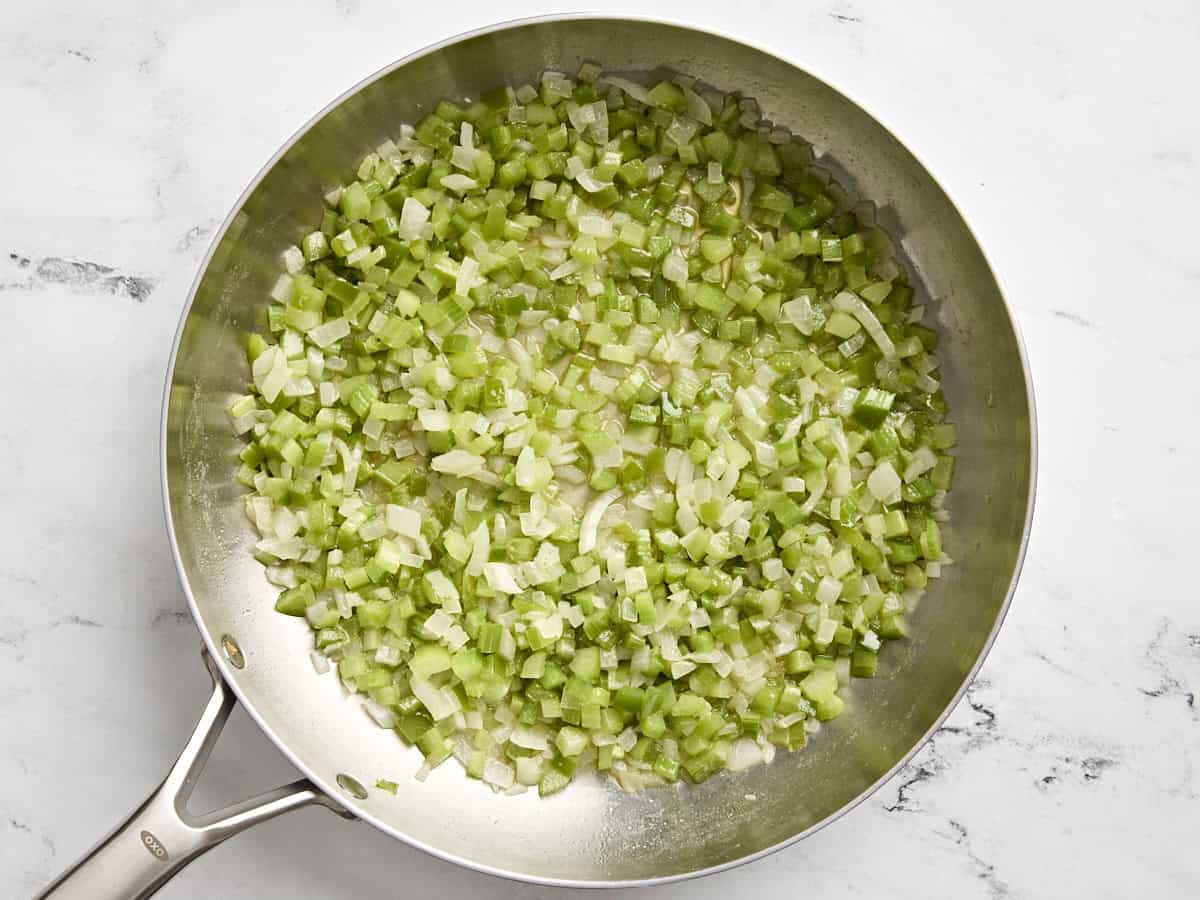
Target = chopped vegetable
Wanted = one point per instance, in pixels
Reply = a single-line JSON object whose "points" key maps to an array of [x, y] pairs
{"points": [[591, 430]]}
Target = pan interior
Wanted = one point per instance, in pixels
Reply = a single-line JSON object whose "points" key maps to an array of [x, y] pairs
{"points": [[592, 832]]}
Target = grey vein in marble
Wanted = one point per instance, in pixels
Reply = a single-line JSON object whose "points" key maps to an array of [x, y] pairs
{"points": [[931, 761], [170, 617], [1159, 658], [79, 275], [1073, 318], [17, 825], [16, 638], [984, 870], [194, 236]]}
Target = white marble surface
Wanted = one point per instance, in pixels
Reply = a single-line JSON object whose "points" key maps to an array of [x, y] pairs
{"points": [[1066, 131]]}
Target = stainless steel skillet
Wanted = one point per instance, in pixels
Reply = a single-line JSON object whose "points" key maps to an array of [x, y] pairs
{"points": [[591, 834]]}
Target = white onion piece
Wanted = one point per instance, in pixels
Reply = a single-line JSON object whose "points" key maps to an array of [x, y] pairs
{"points": [[697, 106], [852, 304], [591, 519], [381, 715], [632, 88]]}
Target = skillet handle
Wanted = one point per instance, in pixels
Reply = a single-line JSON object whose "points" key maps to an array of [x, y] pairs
{"points": [[161, 837]]}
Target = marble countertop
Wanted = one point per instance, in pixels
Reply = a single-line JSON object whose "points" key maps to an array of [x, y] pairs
{"points": [[1071, 768]]}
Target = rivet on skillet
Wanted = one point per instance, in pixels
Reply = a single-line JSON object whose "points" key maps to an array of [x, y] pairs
{"points": [[351, 786], [232, 652]]}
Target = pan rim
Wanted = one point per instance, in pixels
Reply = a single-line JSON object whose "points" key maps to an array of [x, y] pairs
{"points": [[354, 806]]}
